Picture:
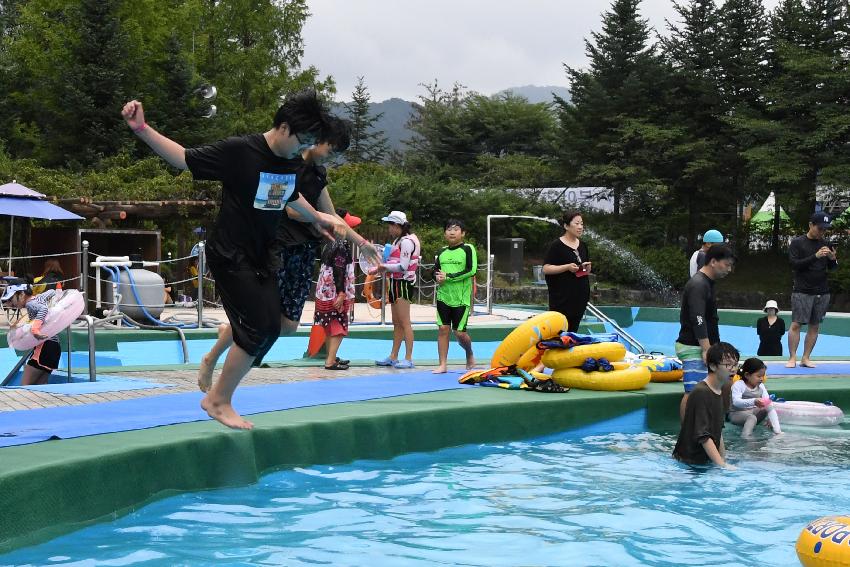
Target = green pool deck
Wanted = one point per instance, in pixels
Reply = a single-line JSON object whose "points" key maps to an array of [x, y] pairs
{"points": [[54, 487]]}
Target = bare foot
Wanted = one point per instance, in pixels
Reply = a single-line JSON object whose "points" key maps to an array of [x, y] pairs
{"points": [[225, 414], [440, 370], [470, 362], [205, 374], [791, 363], [808, 364]]}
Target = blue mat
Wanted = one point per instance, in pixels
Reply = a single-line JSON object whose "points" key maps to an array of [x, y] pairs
{"points": [[104, 383], [31, 426], [778, 369]]}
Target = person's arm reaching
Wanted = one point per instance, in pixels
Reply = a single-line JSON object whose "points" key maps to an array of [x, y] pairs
{"points": [[331, 225], [166, 148]]}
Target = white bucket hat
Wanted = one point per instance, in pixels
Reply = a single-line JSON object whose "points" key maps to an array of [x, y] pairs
{"points": [[771, 304], [396, 217]]}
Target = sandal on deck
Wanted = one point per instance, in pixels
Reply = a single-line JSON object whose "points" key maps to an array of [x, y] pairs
{"points": [[337, 366]]}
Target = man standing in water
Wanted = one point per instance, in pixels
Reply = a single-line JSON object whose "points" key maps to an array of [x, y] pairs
{"points": [[257, 172], [699, 322], [811, 258]]}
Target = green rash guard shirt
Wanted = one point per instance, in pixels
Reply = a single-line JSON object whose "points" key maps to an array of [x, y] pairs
{"points": [[459, 264]]}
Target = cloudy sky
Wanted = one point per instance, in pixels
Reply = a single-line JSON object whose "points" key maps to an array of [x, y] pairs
{"points": [[486, 45]]}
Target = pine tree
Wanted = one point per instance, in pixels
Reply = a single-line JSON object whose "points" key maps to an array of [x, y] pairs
{"points": [[700, 181], [95, 85], [606, 123], [368, 144], [802, 143]]}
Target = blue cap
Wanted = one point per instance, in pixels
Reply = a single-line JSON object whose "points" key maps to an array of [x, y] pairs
{"points": [[713, 237]]}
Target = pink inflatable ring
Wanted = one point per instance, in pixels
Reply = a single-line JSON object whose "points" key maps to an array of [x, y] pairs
{"points": [[808, 413], [67, 307]]}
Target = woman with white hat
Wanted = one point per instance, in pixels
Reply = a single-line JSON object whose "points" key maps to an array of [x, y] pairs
{"points": [[770, 329]]}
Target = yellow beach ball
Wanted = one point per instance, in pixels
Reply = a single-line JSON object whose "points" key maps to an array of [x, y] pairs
{"points": [[825, 542]]}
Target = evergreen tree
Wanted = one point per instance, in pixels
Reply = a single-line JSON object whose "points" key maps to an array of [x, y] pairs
{"points": [[615, 94], [367, 142], [699, 180], [802, 143], [95, 86], [743, 63]]}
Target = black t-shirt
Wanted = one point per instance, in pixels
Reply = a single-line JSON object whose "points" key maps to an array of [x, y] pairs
{"points": [[705, 414], [256, 185], [698, 317], [565, 288], [309, 182], [770, 336], [809, 271]]}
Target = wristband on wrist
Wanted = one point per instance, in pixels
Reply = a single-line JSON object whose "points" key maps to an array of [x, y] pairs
{"points": [[140, 128]]}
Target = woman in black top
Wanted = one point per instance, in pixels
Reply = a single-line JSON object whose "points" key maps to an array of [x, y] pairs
{"points": [[770, 329], [566, 267]]}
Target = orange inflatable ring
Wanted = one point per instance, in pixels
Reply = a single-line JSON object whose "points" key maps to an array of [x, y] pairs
{"points": [[368, 291]]}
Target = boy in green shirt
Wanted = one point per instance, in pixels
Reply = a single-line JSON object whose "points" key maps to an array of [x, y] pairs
{"points": [[454, 271]]}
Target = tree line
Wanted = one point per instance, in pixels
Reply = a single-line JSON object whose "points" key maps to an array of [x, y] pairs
{"points": [[683, 126]]}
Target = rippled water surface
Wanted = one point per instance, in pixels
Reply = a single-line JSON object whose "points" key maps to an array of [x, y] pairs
{"points": [[615, 499]]}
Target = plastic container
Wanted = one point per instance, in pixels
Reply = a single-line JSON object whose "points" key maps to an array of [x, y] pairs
{"points": [[149, 293]]}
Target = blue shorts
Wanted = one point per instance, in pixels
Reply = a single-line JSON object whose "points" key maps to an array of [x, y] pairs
{"points": [[693, 366]]}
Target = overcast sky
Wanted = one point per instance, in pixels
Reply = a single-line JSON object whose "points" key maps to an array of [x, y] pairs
{"points": [[487, 45]]}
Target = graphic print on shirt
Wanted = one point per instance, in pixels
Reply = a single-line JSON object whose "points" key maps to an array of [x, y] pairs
{"points": [[274, 190]]}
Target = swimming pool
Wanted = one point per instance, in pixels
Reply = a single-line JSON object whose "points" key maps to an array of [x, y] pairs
{"points": [[605, 495]]}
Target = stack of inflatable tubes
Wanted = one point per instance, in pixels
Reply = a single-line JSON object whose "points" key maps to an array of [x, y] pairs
{"points": [[521, 343], [661, 368], [566, 363], [825, 542]]}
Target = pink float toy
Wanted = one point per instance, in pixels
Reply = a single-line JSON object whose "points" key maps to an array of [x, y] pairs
{"points": [[67, 307], [808, 413]]}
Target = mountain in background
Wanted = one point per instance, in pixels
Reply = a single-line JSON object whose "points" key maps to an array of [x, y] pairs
{"points": [[397, 112]]}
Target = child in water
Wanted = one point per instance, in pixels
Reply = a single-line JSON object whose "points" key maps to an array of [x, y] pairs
{"points": [[750, 400]]}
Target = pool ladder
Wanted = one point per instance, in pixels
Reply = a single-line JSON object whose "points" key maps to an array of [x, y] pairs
{"points": [[627, 338]]}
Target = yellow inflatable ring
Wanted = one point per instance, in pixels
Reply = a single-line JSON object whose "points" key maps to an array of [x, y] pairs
{"points": [[530, 358], [662, 368], [570, 358], [368, 291], [825, 541], [539, 328], [631, 378]]}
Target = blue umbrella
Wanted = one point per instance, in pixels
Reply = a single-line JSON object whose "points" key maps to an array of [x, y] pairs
{"points": [[19, 201]]}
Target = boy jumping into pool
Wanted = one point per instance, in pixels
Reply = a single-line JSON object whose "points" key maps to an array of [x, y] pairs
{"points": [[701, 436], [257, 172], [454, 271]]}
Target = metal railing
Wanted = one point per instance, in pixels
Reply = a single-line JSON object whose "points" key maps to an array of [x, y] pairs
{"points": [[633, 342]]}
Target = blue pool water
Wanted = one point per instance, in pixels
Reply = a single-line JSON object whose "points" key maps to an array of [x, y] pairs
{"points": [[577, 498]]}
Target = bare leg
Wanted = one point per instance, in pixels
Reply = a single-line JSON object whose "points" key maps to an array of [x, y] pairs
{"points": [[332, 344], [398, 330], [218, 401], [793, 343], [465, 342], [682, 405], [403, 312], [442, 349], [773, 419], [222, 343], [34, 376], [209, 360], [809, 345]]}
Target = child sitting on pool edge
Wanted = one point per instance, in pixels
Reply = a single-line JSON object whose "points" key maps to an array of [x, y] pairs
{"points": [[750, 400], [701, 435]]}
